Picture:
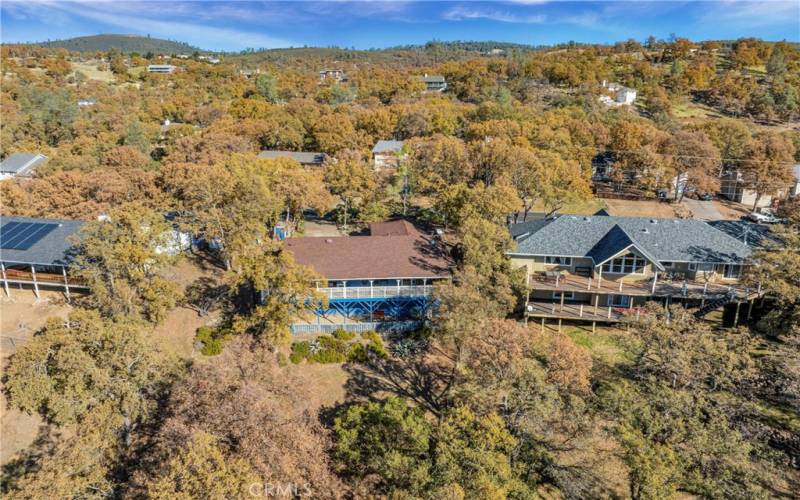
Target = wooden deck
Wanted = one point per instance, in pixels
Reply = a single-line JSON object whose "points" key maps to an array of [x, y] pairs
{"points": [[642, 288], [583, 312], [15, 276]]}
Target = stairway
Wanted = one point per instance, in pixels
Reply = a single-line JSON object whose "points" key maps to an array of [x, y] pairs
{"points": [[714, 303]]}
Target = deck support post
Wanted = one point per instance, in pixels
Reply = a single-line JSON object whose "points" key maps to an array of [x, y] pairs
{"points": [[398, 288], [66, 282], [35, 283], [750, 309], [599, 277], [589, 286], [594, 326], [542, 324], [344, 289], [609, 312], [5, 280], [655, 280], [596, 303], [559, 325], [370, 289], [620, 284], [561, 307], [580, 315], [630, 302], [736, 316]]}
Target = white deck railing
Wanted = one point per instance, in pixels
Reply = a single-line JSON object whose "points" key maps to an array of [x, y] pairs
{"points": [[376, 292]]}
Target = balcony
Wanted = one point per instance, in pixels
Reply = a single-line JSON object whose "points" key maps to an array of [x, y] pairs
{"points": [[652, 287], [586, 312], [376, 292], [44, 279]]}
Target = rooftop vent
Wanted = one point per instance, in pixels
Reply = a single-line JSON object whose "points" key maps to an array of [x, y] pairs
{"points": [[328, 240], [653, 221], [645, 230], [587, 218]]}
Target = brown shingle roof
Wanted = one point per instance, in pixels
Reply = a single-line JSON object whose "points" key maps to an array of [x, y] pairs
{"points": [[371, 257], [399, 227]]}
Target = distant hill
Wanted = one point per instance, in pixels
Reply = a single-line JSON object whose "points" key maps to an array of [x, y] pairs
{"points": [[123, 43]]}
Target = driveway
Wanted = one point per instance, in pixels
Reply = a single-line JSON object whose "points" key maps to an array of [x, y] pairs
{"points": [[703, 210]]}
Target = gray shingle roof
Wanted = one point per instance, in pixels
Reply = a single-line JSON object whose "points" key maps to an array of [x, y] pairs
{"points": [[21, 163], [52, 249], [433, 79], [387, 146], [670, 240], [302, 157]]}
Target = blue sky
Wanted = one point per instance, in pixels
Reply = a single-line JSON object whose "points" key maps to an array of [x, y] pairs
{"points": [[236, 25]]}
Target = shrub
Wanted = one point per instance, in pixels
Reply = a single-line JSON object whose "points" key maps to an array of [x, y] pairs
{"points": [[343, 334], [372, 335], [329, 356], [331, 343], [378, 349], [300, 351], [357, 354], [210, 340]]}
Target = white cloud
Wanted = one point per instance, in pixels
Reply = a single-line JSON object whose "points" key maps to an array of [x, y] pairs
{"points": [[461, 13], [745, 13], [150, 18]]}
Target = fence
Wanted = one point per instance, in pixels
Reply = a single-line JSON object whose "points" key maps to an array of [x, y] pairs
{"points": [[378, 326], [368, 292]]}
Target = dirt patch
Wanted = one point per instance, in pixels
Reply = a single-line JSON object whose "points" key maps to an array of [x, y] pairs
{"points": [[634, 208], [731, 210], [320, 227], [21, 316]]}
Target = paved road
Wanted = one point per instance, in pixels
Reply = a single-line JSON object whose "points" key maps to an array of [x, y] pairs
{"points": [[703, 210]]}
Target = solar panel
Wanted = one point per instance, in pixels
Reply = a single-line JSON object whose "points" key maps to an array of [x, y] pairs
{"points": [[23, 235]]}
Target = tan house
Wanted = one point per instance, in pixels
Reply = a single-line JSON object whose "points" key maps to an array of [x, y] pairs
{"points": [[603, 268], [387, 155]]}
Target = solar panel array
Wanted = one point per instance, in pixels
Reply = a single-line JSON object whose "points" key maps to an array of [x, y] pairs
{"points": [[23, 235]]}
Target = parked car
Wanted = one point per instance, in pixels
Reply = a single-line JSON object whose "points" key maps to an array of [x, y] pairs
{"points": [[706, 197], [763, 218]]}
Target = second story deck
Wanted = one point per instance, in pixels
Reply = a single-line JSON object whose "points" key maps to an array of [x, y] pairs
{"points": [[375, 292], [655, 286]]}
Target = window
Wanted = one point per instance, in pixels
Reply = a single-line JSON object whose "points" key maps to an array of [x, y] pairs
{"points": [[558, 261], [567, 295], [619, 300], [732, 271], [628, 264], [693, 266], [667, 264]]}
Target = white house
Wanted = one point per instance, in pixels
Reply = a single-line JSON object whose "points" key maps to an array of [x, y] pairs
{"points": [[161, 68], [386, 154], [622, 95], [21, 165]]}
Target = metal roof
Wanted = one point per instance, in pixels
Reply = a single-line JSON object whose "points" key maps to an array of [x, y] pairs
{"points": [[53, 249], [302, 157], [19, 163], [433, 79], [387, 146], [660, 240]]}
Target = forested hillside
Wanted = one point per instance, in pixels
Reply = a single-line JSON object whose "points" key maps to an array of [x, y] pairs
{"points": [[178, 376], [123, 43]]}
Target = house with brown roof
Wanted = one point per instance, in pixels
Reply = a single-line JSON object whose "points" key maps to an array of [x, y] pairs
{"points": [[376, 280]]}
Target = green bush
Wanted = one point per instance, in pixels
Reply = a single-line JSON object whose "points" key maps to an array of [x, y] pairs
{"points": [[329, 356], [357, 353], [343, 334], [212, 343], [300, 351], [334, 344], [378, 349], [372, 335]]}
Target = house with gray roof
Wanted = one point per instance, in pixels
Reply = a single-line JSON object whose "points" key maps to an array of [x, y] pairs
{"points": [[387, 154], [434, 83], [37, 253], [21, 165], [598, 267], [304, 158]]}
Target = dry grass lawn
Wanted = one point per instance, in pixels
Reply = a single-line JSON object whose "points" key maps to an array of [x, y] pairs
{"points": [[89, 69], [634, 208]]}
